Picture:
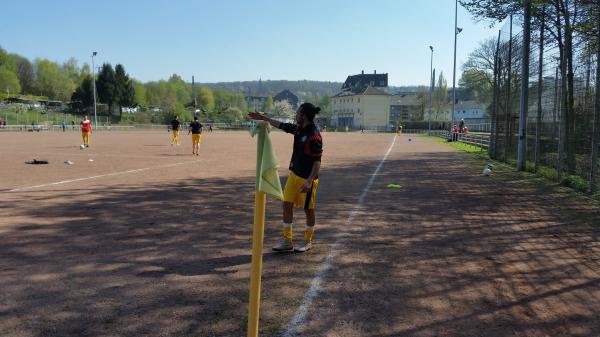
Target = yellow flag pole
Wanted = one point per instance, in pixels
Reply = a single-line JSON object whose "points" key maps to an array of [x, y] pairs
{"points": [[255, 277], [257, 243]]}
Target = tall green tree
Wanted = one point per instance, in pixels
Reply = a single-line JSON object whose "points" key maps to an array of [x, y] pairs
{"points": [[422, 100], [71, 69], [24, 71], [51, 81], [83, 97], [9, 81], [206, 98], [140, 93], [440, 97], [124, 88], [183, 91], [6, 61], [107, 87], [268, 104]]}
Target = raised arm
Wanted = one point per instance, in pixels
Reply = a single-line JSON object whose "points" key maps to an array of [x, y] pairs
{"points": [[261, 117]]}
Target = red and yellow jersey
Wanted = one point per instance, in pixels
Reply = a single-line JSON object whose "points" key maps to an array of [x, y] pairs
{"points": [[86, 126]]}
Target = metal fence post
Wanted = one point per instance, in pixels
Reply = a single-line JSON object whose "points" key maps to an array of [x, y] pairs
{"points": [[596, 127], [508, 109], [524, 104], [538, 125]]}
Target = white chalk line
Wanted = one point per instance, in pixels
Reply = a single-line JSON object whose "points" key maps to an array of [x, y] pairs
{"points": [[315, 285], [102, 176]]}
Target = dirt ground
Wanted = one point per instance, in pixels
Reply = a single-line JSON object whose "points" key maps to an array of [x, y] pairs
{"points": [[148, 240]]}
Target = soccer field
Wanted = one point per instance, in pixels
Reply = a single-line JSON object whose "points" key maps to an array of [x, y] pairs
{"points": [[148, 240], [147, 234]]}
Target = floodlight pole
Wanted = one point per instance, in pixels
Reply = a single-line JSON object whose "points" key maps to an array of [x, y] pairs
{"points": [[94, 77], [454, 69], [430, 86]]}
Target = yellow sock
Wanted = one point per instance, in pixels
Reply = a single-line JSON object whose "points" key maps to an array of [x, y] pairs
{"points": [[308, 234], [287, 233]]}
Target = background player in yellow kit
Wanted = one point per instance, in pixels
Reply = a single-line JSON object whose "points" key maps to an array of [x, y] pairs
{"points": [[195, 129], [175, 129]]}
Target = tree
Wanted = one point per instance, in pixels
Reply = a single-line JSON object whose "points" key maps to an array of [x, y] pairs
{"points": [[83, 97], [440, 96], [6, 61], [268, 105], [52, 82], [152, 90], [206, 99], [422, 100], [107, 87], [71, 69], [124, 89], [325, 106], [283, 109], [9, 80], [140, 93], [477, 85], [563, 17], [182, 90], [231, 115], [24, 71], [478, 72]]}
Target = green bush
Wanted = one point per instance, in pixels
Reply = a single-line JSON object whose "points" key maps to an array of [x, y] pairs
{"points": [[575, 182], [547, 172]]}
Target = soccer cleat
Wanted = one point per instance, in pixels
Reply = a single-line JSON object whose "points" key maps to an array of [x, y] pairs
{"points": [[306, 246], [284, 246]]}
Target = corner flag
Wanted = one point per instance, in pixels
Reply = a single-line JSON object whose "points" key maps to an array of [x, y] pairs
{"points": [[267, 178], [267, 182]]}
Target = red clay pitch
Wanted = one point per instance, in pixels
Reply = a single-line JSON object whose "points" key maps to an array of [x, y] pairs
{"points": [[148, 240]]}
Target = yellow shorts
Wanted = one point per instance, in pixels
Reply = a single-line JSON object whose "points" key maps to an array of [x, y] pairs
{"points": [[292, 192], [196, 138]]}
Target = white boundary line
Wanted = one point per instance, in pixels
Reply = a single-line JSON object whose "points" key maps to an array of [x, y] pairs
{"points": [[315, 285], [102, 176]]}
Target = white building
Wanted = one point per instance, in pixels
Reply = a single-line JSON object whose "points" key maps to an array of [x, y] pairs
{"points": [[363, 102], [469, 110]]}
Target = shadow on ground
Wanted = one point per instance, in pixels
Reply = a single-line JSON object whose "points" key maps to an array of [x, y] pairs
{"points": [[450, 253]]}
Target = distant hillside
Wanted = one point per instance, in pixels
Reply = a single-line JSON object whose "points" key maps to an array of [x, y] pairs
{"points": [[300, 88], [303, 88]]}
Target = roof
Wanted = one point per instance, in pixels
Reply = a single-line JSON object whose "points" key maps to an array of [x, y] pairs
{"points": [[404, 100], [468, 105], [357, 83], [366, 91], [285, 94]]}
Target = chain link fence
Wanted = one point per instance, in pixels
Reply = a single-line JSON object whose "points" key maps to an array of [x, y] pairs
{"points": [[561, 142]]}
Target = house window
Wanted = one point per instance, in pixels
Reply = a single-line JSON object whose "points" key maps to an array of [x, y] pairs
{"points": [[359, 100]]}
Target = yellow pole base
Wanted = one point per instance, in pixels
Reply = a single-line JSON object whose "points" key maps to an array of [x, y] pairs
{"points": [[256, 269]]}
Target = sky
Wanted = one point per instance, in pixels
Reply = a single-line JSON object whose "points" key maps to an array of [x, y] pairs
{"points": [[228, 40]]}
